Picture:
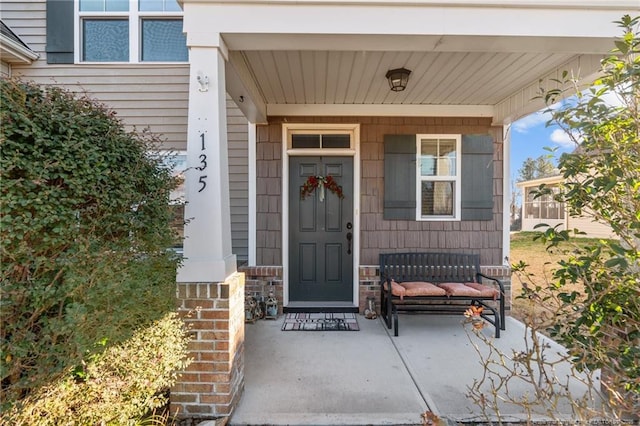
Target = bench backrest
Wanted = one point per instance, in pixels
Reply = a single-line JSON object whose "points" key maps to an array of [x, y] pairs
{"points": [[430, 267]]}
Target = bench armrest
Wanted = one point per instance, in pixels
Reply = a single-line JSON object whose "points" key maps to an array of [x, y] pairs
{"points": [[385, 278], [495, 280]]}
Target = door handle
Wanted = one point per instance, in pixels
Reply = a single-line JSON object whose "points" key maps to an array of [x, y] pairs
{"points": [[349, 238]]}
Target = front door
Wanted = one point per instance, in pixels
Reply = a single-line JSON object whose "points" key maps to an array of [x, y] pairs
{"points": [[320, 231]]}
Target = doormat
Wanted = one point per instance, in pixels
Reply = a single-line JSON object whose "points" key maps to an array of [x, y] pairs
{"points": [[320, 321]]}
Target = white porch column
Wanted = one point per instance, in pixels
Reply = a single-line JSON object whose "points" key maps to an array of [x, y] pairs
{"points": [[506, 194], [251, 133], [207, 245]]}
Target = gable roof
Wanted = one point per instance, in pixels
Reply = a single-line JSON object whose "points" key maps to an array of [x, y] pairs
{"points": [[13, 49]]}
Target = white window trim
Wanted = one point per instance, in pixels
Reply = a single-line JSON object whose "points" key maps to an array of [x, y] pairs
{"points": [[457, 207], [314, 129], [135, 35]]}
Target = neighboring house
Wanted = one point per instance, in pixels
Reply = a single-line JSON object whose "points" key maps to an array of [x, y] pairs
{"points": [[265, 95], [545, 210]]}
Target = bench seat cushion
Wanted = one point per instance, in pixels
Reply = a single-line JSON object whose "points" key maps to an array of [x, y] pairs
{"points": [[420, 288], [485, 290], [468, 290], [396, 289]]}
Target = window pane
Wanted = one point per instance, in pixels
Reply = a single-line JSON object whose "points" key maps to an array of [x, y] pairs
{"points": [[437, 198], [178, 165], [177, 224], [104, 5], [429, 153], [105, 40], [171, 6], [163, 40], [151, 5], [336, 141], [447, 157], [438, 157], [117, 5], [305, 141], [92, 6], [159, 6]]}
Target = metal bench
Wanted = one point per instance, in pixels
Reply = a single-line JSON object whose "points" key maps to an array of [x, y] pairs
{"points": [[438, 282]]}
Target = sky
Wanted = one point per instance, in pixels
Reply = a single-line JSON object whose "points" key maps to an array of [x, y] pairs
{"points": [[530, 136]]}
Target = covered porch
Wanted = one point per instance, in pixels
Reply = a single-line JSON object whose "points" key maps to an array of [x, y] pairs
{"points": [[370, 377], [321, 68]]}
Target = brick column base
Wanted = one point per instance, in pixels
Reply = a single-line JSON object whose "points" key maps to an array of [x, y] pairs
{"points": [[212, 384], [369, 286]]}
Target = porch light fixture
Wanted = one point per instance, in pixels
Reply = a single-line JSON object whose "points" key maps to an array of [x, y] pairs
{"points": [[398, 79]]}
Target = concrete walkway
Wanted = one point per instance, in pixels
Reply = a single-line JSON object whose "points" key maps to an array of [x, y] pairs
{"points": [[369, 377]]}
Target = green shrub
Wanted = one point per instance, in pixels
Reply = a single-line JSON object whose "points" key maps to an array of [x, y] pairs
{"points": [[84, 234], [602, 179], [116, 387]]}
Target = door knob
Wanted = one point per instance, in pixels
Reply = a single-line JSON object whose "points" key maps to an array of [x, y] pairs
{"points": [[349, 238]]}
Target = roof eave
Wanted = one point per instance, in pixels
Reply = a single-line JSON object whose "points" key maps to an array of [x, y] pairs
{"points": [[15, 53]]}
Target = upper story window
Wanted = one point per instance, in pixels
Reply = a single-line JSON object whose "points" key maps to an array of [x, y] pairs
{"points": [[438, 176], [131, 31]]}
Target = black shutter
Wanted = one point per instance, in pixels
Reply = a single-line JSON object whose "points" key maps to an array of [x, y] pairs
{"points": [[59, 31], [477, 177], [399, 177]]}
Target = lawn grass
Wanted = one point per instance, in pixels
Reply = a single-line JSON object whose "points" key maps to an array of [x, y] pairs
{"points": [[541, 265]]}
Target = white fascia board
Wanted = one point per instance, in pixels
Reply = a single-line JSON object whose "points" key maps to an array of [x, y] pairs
{"points": [[417, 43], [599, 4], [537, 182], [13, 52], [242, 87], [385, 110], [537, 19]]}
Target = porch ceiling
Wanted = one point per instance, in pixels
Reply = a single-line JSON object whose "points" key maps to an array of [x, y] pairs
{"points": [[467, 57], [352, 82], [437, 78]]}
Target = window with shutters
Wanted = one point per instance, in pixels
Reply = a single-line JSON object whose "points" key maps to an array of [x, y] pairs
{"points": [[131, 31], [438, 178]]}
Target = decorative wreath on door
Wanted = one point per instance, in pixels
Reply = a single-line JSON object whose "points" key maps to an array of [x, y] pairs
{"points": [[323, 182]]}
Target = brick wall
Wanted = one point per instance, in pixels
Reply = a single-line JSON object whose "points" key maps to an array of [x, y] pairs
{"points": [[212, 384], [262, 280], [369, 286]]}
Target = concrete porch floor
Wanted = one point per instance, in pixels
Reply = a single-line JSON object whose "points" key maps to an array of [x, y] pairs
{"points": [[369, 377]]}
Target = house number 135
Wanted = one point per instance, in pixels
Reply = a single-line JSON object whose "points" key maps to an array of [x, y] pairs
{"points": [[203, 165]]}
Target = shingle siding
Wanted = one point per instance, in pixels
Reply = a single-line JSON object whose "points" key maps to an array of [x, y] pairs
{"points": [[378, 235]]}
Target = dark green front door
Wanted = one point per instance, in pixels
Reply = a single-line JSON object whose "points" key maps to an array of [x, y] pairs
{"points": [[321, 232]]}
